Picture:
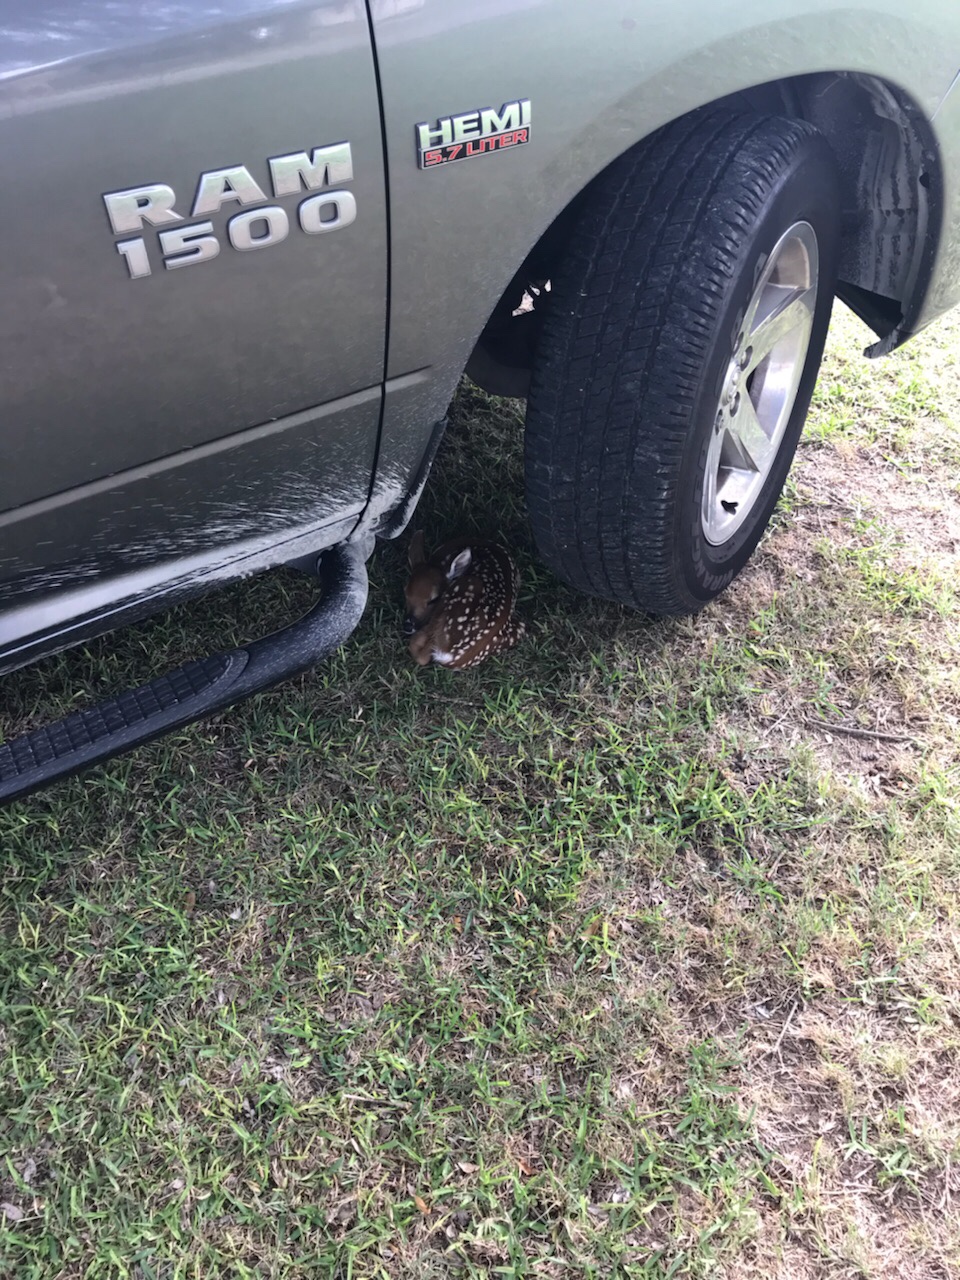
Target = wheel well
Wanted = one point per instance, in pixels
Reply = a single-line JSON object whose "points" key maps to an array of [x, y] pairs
{"points": [[891, 209]]}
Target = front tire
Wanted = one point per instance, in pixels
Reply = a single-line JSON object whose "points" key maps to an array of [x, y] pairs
{"points": [[678, 356]]}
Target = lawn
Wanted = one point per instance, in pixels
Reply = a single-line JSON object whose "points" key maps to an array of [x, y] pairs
{"points": [[633, 953]]}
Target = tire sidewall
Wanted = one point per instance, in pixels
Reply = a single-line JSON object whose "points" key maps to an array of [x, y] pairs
{"points": [[806, 191]]}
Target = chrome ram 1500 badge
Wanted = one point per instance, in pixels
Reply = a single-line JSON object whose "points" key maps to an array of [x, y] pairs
{"points": [[474, 133], [267, 224]]}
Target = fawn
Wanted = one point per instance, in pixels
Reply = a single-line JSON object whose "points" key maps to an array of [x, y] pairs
{"points": [[460, 602]]}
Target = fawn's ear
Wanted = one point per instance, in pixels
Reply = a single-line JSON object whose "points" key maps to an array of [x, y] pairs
{"points": [[417, 552], [460, 564]]}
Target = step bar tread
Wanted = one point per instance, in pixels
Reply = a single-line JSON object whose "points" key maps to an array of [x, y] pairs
{"points": [[132, 717]]}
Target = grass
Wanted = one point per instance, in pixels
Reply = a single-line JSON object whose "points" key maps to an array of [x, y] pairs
{"points": [[612, 958]]}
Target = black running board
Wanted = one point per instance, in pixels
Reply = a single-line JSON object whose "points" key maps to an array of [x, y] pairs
{"points": [[196, 689]]}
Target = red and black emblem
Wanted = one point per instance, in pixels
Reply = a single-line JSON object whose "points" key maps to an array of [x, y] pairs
{"points": [[473, 133]]}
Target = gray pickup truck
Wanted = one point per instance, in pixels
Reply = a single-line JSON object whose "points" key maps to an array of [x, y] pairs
{"points": [[250, 247]]}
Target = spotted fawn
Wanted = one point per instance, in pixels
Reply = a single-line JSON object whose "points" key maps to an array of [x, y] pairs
{"points": [[460, 603]]}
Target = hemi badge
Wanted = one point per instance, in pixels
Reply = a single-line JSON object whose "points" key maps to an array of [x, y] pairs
{"points": [[474, 133]]}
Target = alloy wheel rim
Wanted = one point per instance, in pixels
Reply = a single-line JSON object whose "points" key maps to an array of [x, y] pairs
{"points": [[761, 383]]}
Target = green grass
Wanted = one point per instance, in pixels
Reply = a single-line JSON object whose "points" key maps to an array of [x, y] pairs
{"points": [[607, 959]]}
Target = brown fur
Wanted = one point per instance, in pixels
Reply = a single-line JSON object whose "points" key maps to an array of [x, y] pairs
{"points": [[462, 613]]}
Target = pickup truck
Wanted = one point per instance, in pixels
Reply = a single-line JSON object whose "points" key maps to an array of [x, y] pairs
{"points": [[249, 249]]}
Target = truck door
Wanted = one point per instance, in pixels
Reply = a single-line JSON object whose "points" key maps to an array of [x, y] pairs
{"points": [[193, 289]]}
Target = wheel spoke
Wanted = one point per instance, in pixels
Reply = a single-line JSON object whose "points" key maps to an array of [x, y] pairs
{"points": [[790, 312], [752, 441]]}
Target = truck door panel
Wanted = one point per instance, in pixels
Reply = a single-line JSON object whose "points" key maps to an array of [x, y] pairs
{"points": [[115, 360]]}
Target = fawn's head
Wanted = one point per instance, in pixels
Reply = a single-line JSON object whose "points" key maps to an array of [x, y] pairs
{"points": [[427, 582]]}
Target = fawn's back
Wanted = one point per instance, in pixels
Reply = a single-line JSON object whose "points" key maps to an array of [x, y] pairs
{"points": [[460, 602]]}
